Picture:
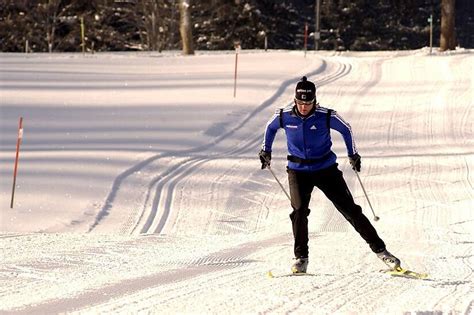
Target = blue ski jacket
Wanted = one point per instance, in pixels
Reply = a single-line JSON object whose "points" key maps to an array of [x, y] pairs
{"points": [[308, 138]]}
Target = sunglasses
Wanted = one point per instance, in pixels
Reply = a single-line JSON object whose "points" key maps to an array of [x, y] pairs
{"points": [[299, 102]]}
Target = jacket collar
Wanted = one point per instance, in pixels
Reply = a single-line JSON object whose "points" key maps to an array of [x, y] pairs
{"points": [[294, 112]]}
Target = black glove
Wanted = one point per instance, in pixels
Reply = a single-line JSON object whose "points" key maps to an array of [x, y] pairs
{"points": [[354, 159], [265, 158]]}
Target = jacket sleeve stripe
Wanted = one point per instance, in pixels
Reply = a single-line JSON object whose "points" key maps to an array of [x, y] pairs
{"points": [[345, 129], [270, 132]]}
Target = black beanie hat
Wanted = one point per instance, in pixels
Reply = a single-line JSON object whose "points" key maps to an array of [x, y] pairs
{"points": [[305, 90]]}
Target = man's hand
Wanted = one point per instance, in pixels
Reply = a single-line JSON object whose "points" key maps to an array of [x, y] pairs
{"points": [[354, 159], [265, 158]]}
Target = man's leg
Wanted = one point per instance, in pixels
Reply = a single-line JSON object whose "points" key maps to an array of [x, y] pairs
{"points": [[333, 185], [301, 187]]}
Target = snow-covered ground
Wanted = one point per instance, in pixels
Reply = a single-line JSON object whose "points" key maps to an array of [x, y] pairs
{"points": [[139, 188]]}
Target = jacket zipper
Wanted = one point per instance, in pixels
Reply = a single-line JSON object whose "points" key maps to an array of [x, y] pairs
{"points": [[304, 138]]}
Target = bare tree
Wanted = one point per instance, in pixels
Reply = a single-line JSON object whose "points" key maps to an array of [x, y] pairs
{"points": [[448, 34], [185, 27], [52, 12], [154, 24], [49, 15]]}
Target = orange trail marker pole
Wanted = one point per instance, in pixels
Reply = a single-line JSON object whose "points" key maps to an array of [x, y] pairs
{"points": [[18, 142]]}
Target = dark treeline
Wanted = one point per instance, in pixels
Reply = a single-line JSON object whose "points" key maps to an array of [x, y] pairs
{"points": [[117, 25]]}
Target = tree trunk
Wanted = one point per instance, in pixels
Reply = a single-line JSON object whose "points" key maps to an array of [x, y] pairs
{"points": [[185, 27], [448, 35]]}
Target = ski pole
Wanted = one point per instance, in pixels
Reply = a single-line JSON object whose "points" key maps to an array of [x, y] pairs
{"points": [[376, 218], [276, 178]]}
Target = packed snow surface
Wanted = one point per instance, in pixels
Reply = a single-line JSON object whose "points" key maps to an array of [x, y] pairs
{"points": [[139, 188]]}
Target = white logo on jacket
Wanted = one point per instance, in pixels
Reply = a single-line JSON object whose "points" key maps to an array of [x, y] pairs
{"points": [[292, 126], [313, 127]]}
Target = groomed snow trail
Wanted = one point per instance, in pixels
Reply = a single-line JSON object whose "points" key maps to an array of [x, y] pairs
{"points": [[172, 214]]}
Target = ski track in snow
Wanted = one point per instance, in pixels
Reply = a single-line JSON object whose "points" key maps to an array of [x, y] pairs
{"points": [[242, 148], [170, 178], [194, 228]]}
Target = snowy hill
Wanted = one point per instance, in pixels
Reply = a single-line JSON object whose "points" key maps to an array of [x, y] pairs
{"points": [[140, 190]]}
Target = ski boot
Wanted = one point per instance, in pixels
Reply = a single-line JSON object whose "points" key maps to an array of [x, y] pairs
{"points": [[391, 261], [300, 265]]}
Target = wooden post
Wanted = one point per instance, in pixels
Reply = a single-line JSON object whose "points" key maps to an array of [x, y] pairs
{"points": [[431, 33], [305, 38], [237, 49], [317, 34], [83, 43]]}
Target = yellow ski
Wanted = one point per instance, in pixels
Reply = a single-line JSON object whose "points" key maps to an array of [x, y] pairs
{"points": [[271, 275], [405, 273]]}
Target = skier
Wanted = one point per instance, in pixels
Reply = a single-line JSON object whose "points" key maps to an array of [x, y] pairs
{"points": [[311, 163]]}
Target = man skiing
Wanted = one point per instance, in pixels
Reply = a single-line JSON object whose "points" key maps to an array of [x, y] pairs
{"points": [[311, 163]]}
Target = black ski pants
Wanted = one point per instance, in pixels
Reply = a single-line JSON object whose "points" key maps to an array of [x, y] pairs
{"points": [[331, 182]]}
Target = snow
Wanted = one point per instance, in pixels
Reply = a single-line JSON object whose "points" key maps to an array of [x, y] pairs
{"points": [[139, 188]]}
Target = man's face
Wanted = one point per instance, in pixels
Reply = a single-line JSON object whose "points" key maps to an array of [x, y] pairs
{"points": [[304, 107]]}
